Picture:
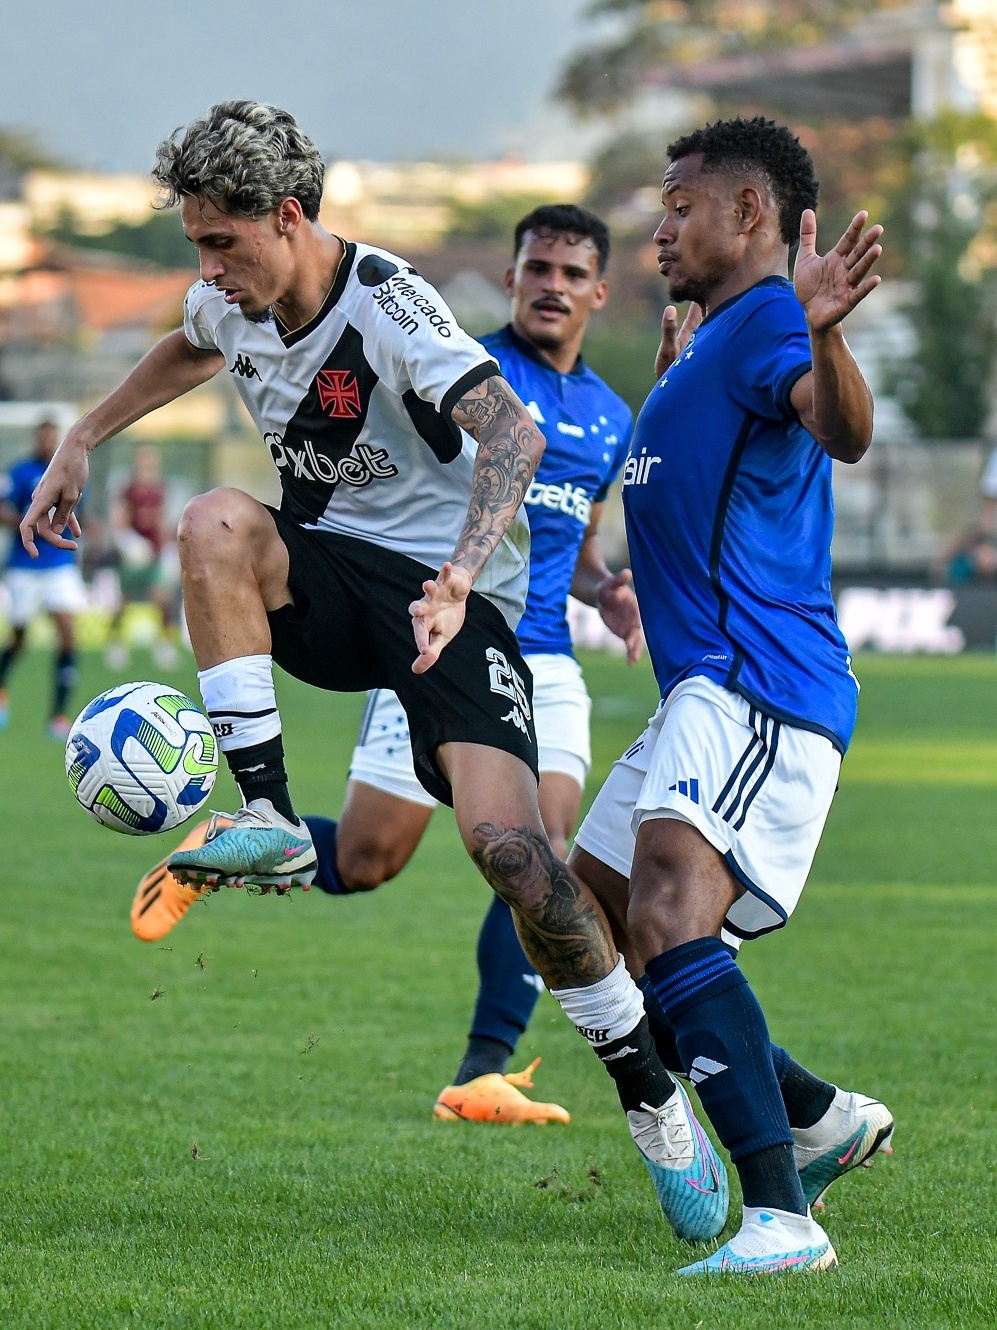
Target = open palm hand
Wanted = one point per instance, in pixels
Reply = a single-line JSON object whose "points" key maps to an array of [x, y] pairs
{"points": [[830, 286]]}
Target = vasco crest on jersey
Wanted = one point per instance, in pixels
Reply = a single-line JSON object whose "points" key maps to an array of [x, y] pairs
{"points": [[319, 449]]}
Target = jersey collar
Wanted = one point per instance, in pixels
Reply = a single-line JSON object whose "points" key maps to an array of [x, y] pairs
{"points": [[774, 280], [534, 353], [336, 290]]}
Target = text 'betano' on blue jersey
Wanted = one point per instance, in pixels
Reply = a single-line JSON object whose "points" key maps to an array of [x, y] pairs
{"points": [[587, 428], [729, 517]]}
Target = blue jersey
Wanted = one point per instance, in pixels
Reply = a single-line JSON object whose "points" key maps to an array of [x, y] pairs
{"points": [[16, 488], [587, 428], [729, 517]]}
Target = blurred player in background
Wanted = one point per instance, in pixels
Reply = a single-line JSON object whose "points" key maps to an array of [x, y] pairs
{"points": [[50, 584], [706, 829], [556, 281], [143, 540]]}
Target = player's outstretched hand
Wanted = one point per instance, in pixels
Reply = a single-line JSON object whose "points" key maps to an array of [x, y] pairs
{"points": [[56, 495], [830, 287], [438, 617], [617, 603], [674, 339]]}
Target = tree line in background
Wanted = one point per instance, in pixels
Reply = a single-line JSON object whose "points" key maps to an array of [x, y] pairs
{"points": [[934, 186]]}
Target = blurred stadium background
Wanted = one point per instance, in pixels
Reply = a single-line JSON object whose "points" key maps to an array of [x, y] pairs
{"points": [[898, 102]]}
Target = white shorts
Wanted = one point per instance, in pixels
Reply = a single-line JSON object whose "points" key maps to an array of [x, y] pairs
{"points": [[758, 790], [32, 590], [561, 705]]}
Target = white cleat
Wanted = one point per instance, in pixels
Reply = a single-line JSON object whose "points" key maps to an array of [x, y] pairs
{"points": [[770, 1242], [852, 1130]]}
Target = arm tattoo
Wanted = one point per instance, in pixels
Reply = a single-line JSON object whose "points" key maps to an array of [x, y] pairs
{"points": [[509, 448], [560, 924]]}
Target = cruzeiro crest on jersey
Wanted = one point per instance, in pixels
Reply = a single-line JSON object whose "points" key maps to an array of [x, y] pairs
{"points": [[318, 450]]}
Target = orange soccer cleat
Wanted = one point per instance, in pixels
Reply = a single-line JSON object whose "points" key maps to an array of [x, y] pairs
{"points": [[160, 900], [495, 1098]]}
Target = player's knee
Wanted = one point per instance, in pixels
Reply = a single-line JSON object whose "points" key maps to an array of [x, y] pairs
{"points": [[214, 527], [517, 862], [364, 867]]}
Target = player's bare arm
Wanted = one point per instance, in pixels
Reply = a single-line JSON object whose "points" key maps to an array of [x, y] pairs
{"points": [[509, 448], [169, 370], [834, 401], [612, 594]]}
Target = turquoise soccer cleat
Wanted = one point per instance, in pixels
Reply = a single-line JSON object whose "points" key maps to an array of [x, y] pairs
{"points": [[852, 1130], [688, 1175], [770, 1243], [259, 849]]}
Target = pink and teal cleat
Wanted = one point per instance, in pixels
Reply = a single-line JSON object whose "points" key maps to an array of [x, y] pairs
{"points": [[770, 1242], [689, 1178], [259, 849], [852, 1130]]}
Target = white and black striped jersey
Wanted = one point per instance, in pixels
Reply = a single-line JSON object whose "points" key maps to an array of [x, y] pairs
{"points": [[355, 409]]}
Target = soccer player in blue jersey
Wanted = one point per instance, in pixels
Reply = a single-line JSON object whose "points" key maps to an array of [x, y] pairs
{"points": [[52, 583], [555, 283], [715, 813]]}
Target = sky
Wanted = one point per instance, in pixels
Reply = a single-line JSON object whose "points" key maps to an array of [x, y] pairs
{"points": [[102, 82]]}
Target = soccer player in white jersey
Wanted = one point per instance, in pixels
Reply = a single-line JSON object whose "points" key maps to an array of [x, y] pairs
{"points": [[556, 281], [404, 460], [715, 813]]}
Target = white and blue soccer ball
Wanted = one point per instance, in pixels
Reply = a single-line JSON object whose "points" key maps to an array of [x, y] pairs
{"points": [[141, 758]]}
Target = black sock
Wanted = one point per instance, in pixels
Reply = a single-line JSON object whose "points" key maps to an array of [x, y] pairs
{"points": [[769, 1179], [7, 658], [806, 1096], [634, 1065], [482, 1057], [259, 773], [65, 677]]}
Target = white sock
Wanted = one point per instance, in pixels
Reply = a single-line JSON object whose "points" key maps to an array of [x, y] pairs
{"points": [[240, 701], [768, 1232], [604, 1011]]}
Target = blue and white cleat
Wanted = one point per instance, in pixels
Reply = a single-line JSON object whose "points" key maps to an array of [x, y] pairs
{"points": [[688, 1175], [770, 1242], [259, 849], [852, 1130]]}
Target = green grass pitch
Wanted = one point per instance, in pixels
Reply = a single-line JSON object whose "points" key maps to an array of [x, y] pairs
{"points": [[303, 1059]]}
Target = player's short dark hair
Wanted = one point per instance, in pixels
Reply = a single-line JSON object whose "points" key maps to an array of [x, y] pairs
{"points": [[760, 148], [565, 219], [246, 157]]}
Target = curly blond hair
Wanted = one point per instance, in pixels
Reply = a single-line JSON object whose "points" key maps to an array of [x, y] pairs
{"points": [[246, 157]]}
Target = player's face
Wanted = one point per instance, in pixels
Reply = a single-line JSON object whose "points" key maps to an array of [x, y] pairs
{"points": [[46, 441], [555, 285], [698, 239], [245, 258]]}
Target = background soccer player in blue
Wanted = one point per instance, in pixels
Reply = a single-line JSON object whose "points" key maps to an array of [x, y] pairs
{"points": [[50, 583], [715, 813], [556, 282]]}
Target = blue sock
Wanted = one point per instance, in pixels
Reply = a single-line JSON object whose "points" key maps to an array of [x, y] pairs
{"points": [[508, 986], [323, 830], [723, 1041]]}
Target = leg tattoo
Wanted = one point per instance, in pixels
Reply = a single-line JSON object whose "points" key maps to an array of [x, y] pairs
{"points": [[561, 925]]}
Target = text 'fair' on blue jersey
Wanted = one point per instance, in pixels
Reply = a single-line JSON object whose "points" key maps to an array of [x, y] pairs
{"points": [[16, 488], [729, 516], [587, 428]]}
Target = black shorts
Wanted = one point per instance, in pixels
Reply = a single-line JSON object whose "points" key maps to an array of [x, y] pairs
{"points": [[349, 630]]}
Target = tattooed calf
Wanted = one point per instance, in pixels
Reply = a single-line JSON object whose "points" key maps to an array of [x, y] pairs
{"points": [[561, 926]]}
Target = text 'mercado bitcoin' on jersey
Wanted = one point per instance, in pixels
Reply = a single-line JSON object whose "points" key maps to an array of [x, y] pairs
{"points": [[587, 428], [729, 517], [355, 409]]}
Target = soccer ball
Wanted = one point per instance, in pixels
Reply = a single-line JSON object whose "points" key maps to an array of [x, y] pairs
{"points": [[141, 758]]}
